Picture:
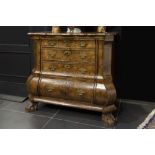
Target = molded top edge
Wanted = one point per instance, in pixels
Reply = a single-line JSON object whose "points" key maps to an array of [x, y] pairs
{"points": [[71, 34]]}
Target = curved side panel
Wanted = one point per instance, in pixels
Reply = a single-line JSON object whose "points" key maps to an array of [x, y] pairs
{"points": [[111, 91], [105, 93], [32, 85]]}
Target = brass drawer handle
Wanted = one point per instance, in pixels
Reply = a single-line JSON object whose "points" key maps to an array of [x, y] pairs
{"points": [[83, 70], [81, 92], [83, 44], [50, 89], [52, 68], [67, 53], [67, 66], [52, 43]]}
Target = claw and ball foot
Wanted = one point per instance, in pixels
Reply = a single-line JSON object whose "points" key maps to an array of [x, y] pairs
{"points": [[109, 119], [31, 107]]}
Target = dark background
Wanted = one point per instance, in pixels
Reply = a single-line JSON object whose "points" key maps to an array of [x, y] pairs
{"points": [[134, 68]]}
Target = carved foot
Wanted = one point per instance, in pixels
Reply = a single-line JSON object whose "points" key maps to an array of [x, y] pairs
{"points": [[109, 119], [31, 107]]}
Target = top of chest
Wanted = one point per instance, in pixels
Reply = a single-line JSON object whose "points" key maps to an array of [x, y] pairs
{"points": [[69, 37]]}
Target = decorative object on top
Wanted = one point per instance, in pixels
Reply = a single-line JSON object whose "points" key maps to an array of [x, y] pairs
{"points": [[73, 29], [101, 29], [55, 29], [76, 29]]}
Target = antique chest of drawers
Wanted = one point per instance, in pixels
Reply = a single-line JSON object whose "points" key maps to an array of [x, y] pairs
{"points": [[73, 70]]}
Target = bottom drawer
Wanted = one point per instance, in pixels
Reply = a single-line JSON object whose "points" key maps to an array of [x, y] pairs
{"points": [[70, 89]]}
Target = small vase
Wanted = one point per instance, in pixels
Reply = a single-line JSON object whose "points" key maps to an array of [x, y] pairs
{"points": [[73, 29]]}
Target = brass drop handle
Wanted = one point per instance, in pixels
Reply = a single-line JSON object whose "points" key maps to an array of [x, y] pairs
{"points": [[52, 43], [50, 89], [52, 68], [83, 44], [67, 53], [81, 92], [67, 66]]}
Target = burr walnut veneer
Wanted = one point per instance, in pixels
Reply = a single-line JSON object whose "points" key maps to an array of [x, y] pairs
{"points": [[73, 70]]}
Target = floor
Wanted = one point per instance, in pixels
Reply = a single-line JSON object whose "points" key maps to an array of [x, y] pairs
{"points": [[12, 116]]}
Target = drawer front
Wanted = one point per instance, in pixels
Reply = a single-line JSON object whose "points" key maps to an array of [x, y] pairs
{"points": [[81, 90], [53, 88], [82, 44], [68, 55], [70, 89], [50, 43], [62, 68]]}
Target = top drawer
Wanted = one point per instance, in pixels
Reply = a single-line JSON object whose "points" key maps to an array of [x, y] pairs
{"points": [[68, 43]]}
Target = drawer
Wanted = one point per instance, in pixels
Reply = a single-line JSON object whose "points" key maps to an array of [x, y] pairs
{"points": [[52, 87], [72, 68], [68, 55], [81, 90], [62, 68], [71, 89], [82, 44], [49, 43]]}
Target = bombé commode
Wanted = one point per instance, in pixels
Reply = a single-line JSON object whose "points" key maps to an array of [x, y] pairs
{"points": [[73, 70]]}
